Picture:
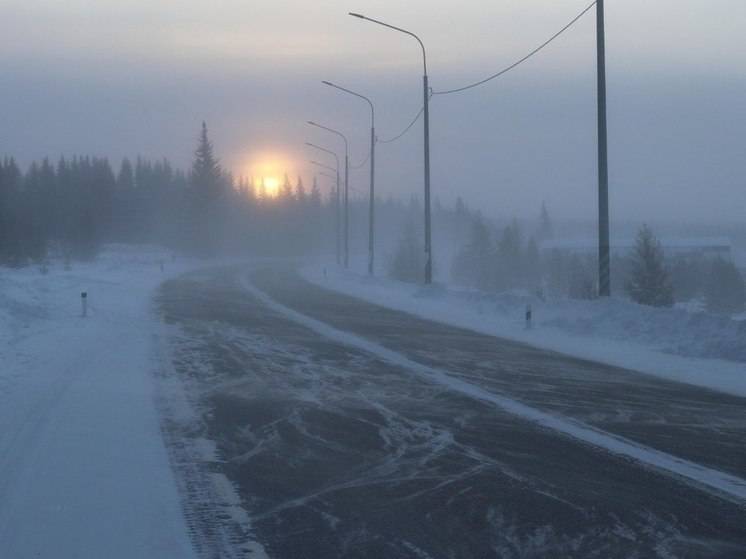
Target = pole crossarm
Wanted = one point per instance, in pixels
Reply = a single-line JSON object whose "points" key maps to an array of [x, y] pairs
{"points": [[322, 165], [333, 131], [395, 28], [370, 103], [325, 150]]}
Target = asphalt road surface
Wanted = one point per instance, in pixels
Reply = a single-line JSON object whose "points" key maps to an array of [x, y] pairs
{"points": [[338, 452]]}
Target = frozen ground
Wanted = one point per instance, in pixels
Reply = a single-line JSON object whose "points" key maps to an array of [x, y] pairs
{"points": [[83, 468], [695, 348]]}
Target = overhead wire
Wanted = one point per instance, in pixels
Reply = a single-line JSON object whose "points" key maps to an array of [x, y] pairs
{"points": [[363, 162], [519, 61], [400, 134], [483, 81]]}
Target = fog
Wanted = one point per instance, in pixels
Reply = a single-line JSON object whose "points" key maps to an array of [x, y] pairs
{"points": [[212, 344], [126, 78]]}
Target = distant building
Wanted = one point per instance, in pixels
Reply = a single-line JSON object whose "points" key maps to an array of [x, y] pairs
{"points": [[703, 247]]}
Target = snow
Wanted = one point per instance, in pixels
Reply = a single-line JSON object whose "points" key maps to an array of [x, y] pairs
{"points": [[673, 243], [83, 468], [695, 348], [208, 494], [721, 483]]}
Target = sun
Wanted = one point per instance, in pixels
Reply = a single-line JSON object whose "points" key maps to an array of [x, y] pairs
{"points": [[271, 186], [266, 167]]}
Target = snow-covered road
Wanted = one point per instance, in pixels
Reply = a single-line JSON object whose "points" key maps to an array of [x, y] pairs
{"points": [[83, 469], [304, 423], [351, 429]]}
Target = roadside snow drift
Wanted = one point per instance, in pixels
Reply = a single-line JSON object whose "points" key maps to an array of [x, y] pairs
{"points": [[695, 348], [83, 469]]}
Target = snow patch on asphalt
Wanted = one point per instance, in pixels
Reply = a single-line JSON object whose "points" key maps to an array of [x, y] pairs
{"points": [[725, 485]]}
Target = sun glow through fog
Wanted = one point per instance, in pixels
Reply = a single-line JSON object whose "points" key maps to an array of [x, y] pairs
{"points": [[271, 186], [266, 170]]}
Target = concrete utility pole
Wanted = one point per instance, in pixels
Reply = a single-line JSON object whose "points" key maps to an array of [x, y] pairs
{"points": [[336, 193], [372, 158], [604, 273], [426, 117], [347, 210], [372, 202], [346, 191]]}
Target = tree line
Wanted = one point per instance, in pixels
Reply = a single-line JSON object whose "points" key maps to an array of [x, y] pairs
{"points": [[494, 259], [73, 206]]}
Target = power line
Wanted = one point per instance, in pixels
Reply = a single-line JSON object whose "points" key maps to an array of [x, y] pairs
{"points": [[359, 165], [520, 61], [400, 134]]}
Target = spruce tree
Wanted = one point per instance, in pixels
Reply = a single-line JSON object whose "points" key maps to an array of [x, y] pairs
{"points": [[286, 193], [546, 229], [206, 176], [649, 282], [474, 263], [208, 207], [300, 192], [408, 261]]}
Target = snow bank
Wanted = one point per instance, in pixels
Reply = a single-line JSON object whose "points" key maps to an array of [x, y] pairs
{"points": [[696, 348], [83, 468]]}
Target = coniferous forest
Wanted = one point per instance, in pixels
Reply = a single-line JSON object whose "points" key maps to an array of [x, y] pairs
{"points": [[72, 206], [69, 208]]}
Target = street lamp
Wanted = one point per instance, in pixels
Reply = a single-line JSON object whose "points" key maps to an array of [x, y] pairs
{"points": [[346, 195], [371, 203], [336, 194], [426, 117], [604, 272]]}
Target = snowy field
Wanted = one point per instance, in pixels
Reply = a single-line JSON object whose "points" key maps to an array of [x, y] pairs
{"points": [[83, 468], [692, 347]]}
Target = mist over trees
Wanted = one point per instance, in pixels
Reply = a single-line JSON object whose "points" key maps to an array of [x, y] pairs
{"points": [[499, 258], [725, 291], [70, 208]]}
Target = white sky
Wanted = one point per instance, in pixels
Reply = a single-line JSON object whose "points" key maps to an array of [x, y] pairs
{"points": [[125, 77]]}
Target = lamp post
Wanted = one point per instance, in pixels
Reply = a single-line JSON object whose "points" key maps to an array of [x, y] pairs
{"points": [[604, 272], [336, 194], [346, 194], [372, 201], [426, 117]]}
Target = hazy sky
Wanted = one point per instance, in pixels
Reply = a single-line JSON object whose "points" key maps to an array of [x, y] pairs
{"points": [[122, 77]]}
